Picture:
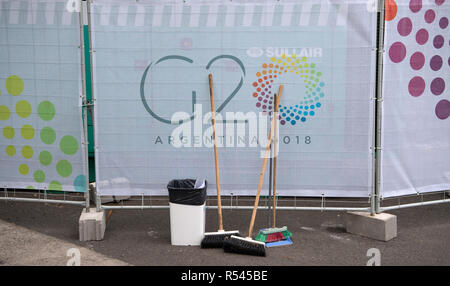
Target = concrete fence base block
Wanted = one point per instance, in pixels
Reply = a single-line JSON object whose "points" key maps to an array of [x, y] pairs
{"points": [[381, 226], [92, 225]]}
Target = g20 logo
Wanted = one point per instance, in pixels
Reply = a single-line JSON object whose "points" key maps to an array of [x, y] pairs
{"points": [[165, 120]]}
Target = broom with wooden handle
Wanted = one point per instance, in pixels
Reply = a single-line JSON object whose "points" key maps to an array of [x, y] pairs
{"points": [[247, 245], [215, 239], [274, 234]]}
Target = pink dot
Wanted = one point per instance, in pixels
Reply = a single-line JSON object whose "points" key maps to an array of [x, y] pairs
{"points": [[259, 98], [437, 86], [429, 16], [258, 104], [397, 52], [417, 61], [438, 41], [439, 2], [443, 23], [282, 122], [415, 5], [264, 107], [404, 26], [443, 109], [416, 86], [422, 36], [436, 63]]}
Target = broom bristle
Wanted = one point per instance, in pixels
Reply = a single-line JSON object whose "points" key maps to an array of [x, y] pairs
{"points": [[215, 239], [235, 244]]}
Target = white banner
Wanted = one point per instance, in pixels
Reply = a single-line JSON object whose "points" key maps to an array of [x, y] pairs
{"points": [[40, 105], [416, 102], [152, 60]]}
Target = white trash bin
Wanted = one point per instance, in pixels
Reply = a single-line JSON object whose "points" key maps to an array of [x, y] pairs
{"points": [[187, 224], [187, 211]]}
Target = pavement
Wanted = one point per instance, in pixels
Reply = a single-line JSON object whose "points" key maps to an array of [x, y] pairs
{"points": [[42, 234]]}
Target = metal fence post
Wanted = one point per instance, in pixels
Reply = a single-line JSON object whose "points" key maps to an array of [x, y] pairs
{"points": [[84, 105], [379, 104]]}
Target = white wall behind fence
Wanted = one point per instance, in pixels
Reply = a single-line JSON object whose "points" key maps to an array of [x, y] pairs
{"points": [[416, 99], [40, 106], [152, 59]]}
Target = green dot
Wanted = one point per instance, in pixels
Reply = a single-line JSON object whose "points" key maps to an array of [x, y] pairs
{"points": [[10, 150], [23, 108], [45, 158], [319, 74], [30, 188], [23, 169], [39, 176], [14, 85], [48, 135], [4, 112], [55, 186], [64, 168], [8, 132], [27, 132], [27, 152], [46, 110], [68, 145]]}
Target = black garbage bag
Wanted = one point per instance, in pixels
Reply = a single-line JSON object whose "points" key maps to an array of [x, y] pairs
{"points": [[184, 192]]}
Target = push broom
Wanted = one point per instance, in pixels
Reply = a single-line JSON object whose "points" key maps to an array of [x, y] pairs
{"points": [[215, 239], [274, 234], [247, 245]]}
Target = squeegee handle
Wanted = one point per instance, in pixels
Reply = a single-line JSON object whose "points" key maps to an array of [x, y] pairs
{"points": [[216, 158], [263, 170]]}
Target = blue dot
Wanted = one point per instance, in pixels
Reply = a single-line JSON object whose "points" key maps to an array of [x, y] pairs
{"points": [[288, 119], [297, 117], [284, 114], [312, 106], [303, 119], [311, 113], [321, 94], [296, 106], [306, 107], [292, 114], [301, 106], [290, 107], [322, 84], [318, 89], [318, 104], [295, 109], [305, 113], [293, 122], [80, 183], [314, 93]]}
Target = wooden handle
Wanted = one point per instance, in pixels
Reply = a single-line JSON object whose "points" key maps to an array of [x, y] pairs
{"points": [[274, 171], [216, 158], [263, 170]]}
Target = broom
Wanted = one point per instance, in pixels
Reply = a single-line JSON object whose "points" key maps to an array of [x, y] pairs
{"points": [[274, 234], [247, 245], [215, 239]]}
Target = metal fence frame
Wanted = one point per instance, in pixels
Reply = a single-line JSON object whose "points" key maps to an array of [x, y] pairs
{"points": [[374, 200]]}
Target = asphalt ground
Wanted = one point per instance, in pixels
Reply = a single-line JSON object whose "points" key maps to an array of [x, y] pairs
{"points": [[45, 232]]}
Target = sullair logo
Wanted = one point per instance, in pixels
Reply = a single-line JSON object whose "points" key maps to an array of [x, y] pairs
{"points": [[309, 52]]}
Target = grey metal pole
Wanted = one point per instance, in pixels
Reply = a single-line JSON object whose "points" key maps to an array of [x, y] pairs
{"points": [[379, 104], [84, 107], [98, 201]]}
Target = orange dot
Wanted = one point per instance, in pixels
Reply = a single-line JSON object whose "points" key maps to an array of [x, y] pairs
{"points": [[255, 84], [271, 80], [259, 79], [264, 72], [255, 94], [258, 74], [262, 85], [270, 71], [264, 65], [267, 82], [276, 66], [390, 8], [270, 76], [271, 65], [258, 89], [265, 77], [275, 76]]}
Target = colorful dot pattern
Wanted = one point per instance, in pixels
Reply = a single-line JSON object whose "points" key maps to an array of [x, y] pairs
{"points": [[307, 73], [433, 32], [46, 111]]}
